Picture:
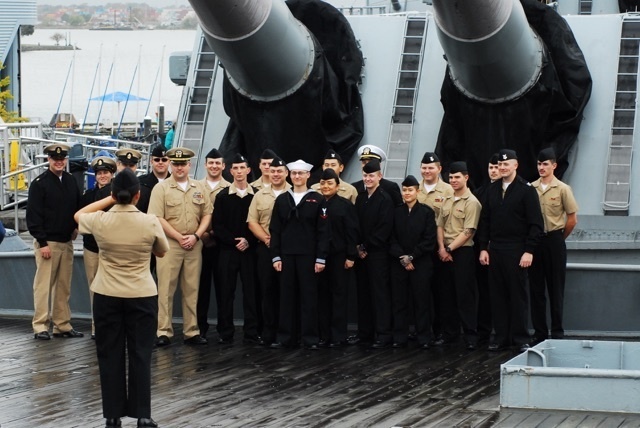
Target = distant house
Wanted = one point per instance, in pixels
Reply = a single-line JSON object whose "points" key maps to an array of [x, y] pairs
{"points": [[13, 14]]}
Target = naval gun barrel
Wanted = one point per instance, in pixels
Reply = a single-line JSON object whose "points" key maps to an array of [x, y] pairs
{"points": [[493, 54], [266, 52]]}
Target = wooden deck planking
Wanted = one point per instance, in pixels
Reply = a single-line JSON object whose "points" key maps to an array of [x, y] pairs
{"points": [[56, 384]]}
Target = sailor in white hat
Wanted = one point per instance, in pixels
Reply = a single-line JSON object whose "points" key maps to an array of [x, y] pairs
{"points": [[299, 248]]}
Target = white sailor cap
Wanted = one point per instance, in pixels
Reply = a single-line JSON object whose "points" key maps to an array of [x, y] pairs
{"points": [[299, 165], [369, 151]]}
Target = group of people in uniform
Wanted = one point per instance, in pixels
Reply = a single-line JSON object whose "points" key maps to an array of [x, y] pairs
{"points": [[432, 261]]}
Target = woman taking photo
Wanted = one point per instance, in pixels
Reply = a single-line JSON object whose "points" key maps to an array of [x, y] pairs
{"points": [[125, 303]]}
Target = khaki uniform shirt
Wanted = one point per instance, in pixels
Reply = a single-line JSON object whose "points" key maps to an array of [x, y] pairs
{"points": [[262, 206], [436, 197], [345, 190], [126, 238], [458, 214], [214, 192], [258, 184], [556, 202], [182, 209]]}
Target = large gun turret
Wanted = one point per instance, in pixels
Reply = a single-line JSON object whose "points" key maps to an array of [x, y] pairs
{"points": [[516, 78], [291, 77]]}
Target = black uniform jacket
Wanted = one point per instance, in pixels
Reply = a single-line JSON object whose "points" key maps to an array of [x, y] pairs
{"points": [[375, 214], [89, 197], [514, 222], [147, 182], [51, 206], [414, 232], [229, 219], [343, 220], [392, 189], [299, 229]]}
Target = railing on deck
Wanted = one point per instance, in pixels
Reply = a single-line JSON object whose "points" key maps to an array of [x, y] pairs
{"points": [[22, 159]]}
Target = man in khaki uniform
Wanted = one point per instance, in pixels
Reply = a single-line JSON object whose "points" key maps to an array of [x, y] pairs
{"points": [[264, 180], [334, 161], [433, 192], [457, 223], [214, 182], [559, 212], [258, 220], [54, 198], [184, 210]]}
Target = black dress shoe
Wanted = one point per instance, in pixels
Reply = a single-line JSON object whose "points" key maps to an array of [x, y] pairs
{"points": [[399, 345], [471, 346], [425, 345], [196, 340], [113, 422], [496, 347], [334, 345], [70, 333], [312, 347], [146, 422], [524, 347], [412, 335], [323, 343], [378, 344], [163, 341], [253, 340], [43, 335], [438, 342], [276, 345], [93, 336], [225, 340]]}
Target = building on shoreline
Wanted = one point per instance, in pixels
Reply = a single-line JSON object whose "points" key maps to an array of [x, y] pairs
{"points": [[12, 15]]}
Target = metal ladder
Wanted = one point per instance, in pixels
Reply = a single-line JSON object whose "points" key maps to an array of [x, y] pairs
{"points": [[191, 129], [618, 173], [586, 6], [402, 120]]}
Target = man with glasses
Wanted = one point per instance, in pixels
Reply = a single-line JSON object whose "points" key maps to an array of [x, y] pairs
{"points": [[299, 248], [184, 210], [159, 172]]}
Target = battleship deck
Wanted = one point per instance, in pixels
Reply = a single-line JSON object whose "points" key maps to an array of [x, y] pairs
{"points": [[55, 384]]}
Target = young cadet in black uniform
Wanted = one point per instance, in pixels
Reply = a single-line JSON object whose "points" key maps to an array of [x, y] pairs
{"points": [[299, 249], [375, 214], [54, 198], [237, 253], [485, 325], [412, 242], [159, 172], [103, 167], [367, 153], [510, 227], [335, 280]]}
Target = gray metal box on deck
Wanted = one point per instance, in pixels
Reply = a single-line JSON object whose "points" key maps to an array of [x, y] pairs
{"points": [[574, 375]]}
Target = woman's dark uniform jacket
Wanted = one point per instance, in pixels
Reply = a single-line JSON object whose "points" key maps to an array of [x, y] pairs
{"points": [[414, 233], [89, 197]]}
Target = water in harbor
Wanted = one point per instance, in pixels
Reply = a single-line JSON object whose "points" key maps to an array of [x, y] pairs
{"points": [[44, 73]]}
